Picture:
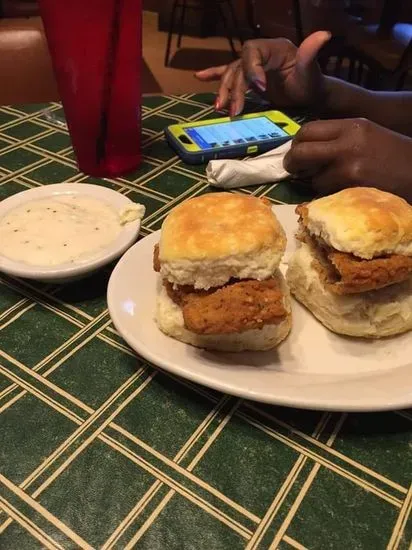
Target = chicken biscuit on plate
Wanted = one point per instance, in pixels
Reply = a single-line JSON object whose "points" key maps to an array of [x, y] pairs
{"points": [[220, 286]]}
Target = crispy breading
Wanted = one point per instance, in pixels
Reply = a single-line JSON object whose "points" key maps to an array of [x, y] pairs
{"points": [[344, 273], [156, 261], [236, 307], [182, 294], [302, 211], [362, 275]]}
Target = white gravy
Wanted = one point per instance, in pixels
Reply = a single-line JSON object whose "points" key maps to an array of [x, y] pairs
{"points": [[59, 230]]}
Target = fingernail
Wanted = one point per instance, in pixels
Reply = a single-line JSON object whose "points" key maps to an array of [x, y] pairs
{"points": [[217, 105], [235, 111], [260, 85]]}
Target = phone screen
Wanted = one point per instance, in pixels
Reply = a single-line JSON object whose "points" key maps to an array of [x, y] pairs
{"points": [[236, 132]]}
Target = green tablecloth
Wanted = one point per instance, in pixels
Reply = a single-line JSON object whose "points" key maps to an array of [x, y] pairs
{"points": [[101, 450]]}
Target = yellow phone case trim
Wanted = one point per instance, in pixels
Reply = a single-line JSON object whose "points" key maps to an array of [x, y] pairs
{"points": [[291, 127]]}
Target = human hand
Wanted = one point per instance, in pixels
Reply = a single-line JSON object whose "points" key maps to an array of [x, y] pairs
{"points": [[350, 153], [276, 68]]}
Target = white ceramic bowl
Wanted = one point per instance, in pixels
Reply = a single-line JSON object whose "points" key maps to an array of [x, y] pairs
{"points": [[67, 272]]}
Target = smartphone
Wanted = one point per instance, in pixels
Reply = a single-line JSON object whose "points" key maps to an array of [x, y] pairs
{"points": [[199, 142]]}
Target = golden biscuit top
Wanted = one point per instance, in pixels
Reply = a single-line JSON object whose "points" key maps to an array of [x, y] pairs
{"points": [[220, 225], [362, 221]]}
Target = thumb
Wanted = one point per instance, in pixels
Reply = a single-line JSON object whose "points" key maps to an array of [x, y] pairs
{"points": [[310, 48]]}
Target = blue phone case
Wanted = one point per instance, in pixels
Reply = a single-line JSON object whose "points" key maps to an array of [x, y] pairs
{"points": [[233, 151]]}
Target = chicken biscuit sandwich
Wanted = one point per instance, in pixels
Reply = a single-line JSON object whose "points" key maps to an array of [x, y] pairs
{"points": [[353, 269], [220, 286]]}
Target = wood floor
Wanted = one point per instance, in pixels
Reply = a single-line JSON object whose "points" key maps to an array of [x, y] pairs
{"points": [[194, 54]]}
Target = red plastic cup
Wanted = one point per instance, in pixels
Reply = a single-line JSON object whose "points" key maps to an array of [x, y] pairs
{"points": [[96, 52]]}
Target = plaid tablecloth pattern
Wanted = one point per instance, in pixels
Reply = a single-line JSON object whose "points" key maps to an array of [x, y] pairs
{"points": [[101, 450]]}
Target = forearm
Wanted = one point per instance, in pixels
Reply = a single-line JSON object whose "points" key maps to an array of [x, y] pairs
{"points": [[389, 109]]}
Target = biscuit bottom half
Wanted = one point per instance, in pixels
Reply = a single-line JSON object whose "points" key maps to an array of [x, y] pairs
{"points": [[374, 314]]}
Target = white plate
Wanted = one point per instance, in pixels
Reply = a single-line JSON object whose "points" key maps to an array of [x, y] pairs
{"points": [[66, 272], [313, 368]]}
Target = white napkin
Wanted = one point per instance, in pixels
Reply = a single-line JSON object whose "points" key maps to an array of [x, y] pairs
{"points": [[265, 168]]}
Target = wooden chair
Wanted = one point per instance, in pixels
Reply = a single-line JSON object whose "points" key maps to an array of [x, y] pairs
{"points": [[380, 54], [380, 59]]}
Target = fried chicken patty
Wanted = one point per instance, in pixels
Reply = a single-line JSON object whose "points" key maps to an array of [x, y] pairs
{"points": [[345, 273], [235, 307], [362, 275]]}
